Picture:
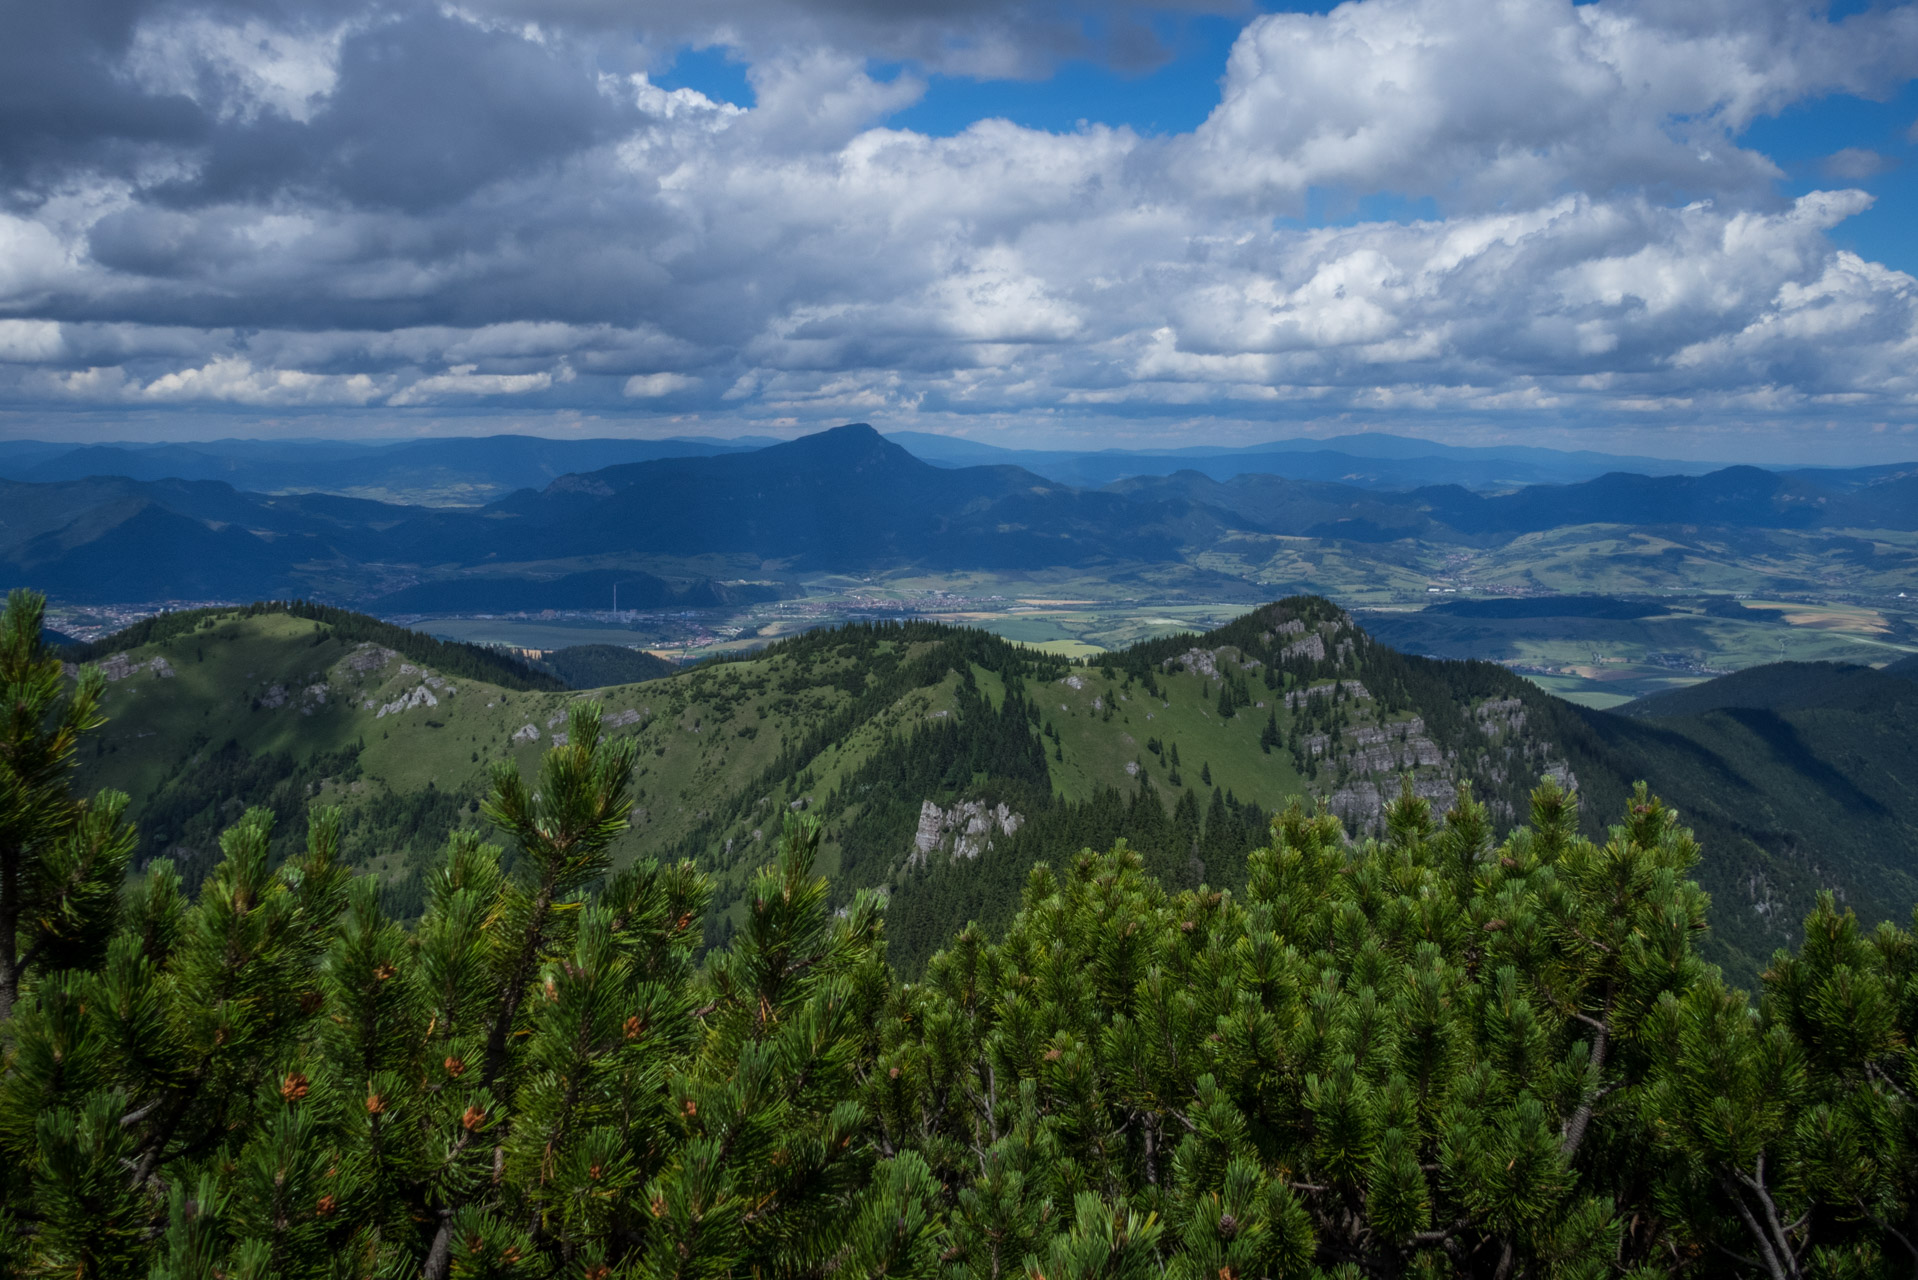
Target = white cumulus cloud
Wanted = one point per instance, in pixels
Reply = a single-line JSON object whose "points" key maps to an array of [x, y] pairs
{"points": [[1501, 207]]}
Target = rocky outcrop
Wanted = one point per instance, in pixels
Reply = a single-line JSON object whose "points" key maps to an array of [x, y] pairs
{"points": [[369, 657], [1350, 688], [963, 831], [1362, 802], [419, 696], [1204, 662], [1500, 715], [1393, 748], [1313, 647], [120, 667], [1368, 760]]}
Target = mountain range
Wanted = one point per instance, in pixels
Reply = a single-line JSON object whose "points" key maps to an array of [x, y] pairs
{"points": [[442, 472], [1367, 460], [724, 525], [471, 471]]}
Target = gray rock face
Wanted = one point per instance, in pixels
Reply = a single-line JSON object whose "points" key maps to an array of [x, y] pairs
{"points": [[1362, 802], [1350, 688], [1501, 715], [1372, 758], [369, 657], [420, 696], [120, 667], [1205, 662], [1393, 748], [1313, 647], [964, 831]]}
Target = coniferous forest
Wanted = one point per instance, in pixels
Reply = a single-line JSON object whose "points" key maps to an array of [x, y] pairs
{"points": [[1430, 1053]]}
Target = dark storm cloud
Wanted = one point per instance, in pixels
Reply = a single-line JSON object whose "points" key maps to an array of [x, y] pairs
{"points": [[63, 103], [427, 109]]}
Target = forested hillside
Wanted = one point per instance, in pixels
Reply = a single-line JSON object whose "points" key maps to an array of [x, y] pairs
{"points": [[1429, 1052], [943, 762]]}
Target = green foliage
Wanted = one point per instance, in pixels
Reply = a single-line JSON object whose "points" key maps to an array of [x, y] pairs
{"points": [[61, 860]]}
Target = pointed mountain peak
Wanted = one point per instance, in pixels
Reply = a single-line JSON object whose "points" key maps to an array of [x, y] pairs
{"points": [[854, 443]]}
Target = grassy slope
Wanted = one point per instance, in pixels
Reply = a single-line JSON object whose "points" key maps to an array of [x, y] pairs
{"points": [[706, 735]]}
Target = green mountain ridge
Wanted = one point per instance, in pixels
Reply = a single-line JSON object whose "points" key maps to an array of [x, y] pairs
{"points": [[944, 761]]}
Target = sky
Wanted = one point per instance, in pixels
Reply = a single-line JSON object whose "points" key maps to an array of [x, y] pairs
{"points": [[1671, 227]]}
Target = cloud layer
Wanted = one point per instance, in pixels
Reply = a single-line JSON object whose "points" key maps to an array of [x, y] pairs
{"points": [[336, 205]]}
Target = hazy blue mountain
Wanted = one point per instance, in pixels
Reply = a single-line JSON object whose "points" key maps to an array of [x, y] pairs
{"points": [[839, 500], [1277, 504], [111, 539], [1738, 497], [1372, 460], [1747, 497], [466, 471], [153, 554], [843, 498]]}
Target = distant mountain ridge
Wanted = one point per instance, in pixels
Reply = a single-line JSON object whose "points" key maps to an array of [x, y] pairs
{"points": [[462, 471], [1372, 460], [836, 501], [844, 497], [470, 471]]}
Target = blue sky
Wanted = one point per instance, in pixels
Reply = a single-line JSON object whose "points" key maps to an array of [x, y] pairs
{"points": [[1623, 224]]}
